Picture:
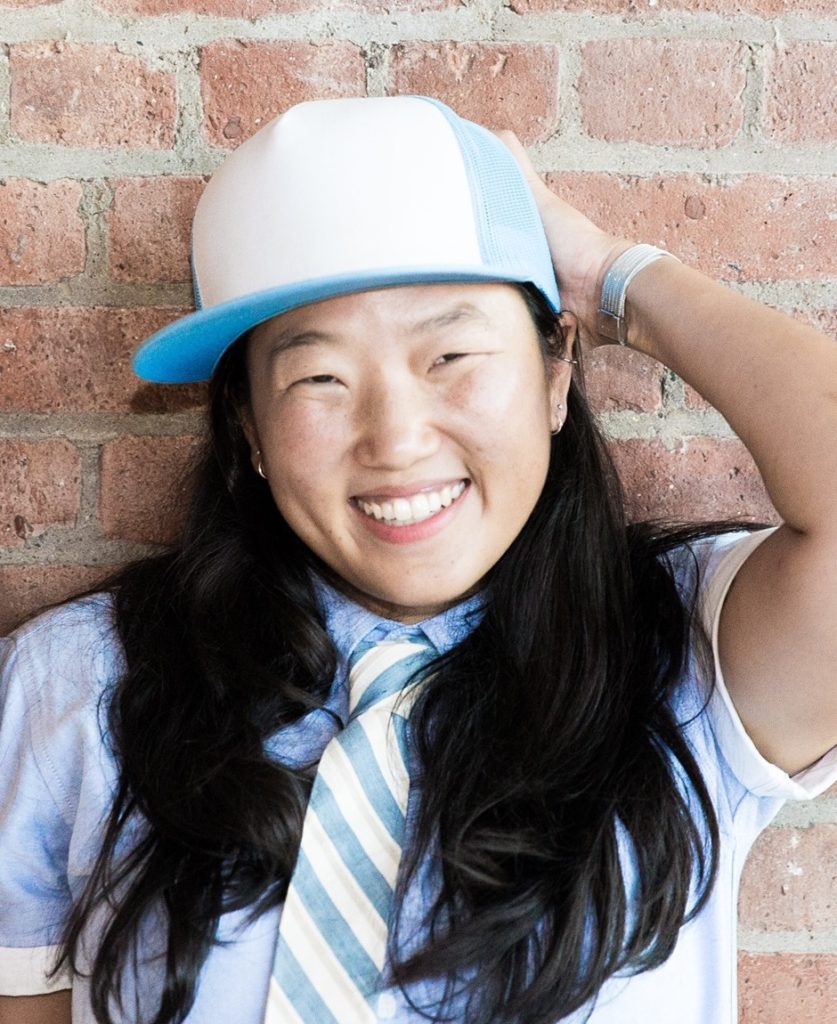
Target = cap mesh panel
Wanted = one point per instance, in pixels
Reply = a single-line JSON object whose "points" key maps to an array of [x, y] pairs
{"points": [[511, 234]]}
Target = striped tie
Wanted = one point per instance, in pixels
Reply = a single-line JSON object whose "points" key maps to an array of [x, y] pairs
{"points": [[333, 929]]}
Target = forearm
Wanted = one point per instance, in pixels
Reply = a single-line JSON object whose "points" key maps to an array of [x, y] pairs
{"points": [[48, 1009], [773, 379]]}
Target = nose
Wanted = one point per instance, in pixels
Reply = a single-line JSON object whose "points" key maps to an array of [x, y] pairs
{"points": [[395, 424]]}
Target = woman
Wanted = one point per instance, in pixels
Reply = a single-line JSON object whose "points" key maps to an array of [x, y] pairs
{"points": [[410, 725]]}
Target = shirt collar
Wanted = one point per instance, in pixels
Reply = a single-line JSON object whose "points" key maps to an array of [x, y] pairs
{"points": [[347, 622]]}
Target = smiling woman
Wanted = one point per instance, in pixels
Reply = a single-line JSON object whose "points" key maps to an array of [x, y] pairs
{"points": [[410, 723], [350, 424]]}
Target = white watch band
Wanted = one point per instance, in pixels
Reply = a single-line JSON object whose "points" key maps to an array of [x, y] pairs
{"points": [[615, 286]]}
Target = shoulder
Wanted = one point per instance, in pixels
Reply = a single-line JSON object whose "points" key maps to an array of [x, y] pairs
{"points": [[76, 640], [706, 569], [54, 673]]}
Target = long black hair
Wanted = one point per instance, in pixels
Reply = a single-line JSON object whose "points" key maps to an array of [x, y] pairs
{"points": [[546, 742]]}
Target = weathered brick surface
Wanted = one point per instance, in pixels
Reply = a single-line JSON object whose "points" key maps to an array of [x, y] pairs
{"points": [[149, 228], [40, 486], [504, 85], [801, 100], [245, 84], [824, 320], [224, 8], [787, 988], [41, 231], [702, 478], [258, 8], [637, 8], [27, 3], [89, 94], [70, 359], [744, 228], [790, 881], [143, 485], [618, 378], [678, 92], [26, 589]]}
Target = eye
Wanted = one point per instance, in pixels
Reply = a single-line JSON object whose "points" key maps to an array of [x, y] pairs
{"points": [[319, 378], [449, 357]]}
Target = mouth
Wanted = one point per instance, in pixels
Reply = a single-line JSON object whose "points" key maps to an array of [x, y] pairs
{"points": [[408, 510]]}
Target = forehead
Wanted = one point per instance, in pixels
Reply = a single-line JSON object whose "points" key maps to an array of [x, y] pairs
{"points": [[408, 309]]}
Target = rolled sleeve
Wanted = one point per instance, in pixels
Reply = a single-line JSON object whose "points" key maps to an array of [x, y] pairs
{"points": [[754, 772]]}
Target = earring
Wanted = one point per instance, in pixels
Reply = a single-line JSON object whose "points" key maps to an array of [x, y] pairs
{"points": [[259, 469], [557, 430]]}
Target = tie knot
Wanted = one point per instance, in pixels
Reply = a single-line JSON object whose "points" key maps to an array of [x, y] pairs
{"points": [[380, 670]]}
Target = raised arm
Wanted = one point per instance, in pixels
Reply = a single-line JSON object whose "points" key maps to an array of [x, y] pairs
{"points": [[775, 381]]}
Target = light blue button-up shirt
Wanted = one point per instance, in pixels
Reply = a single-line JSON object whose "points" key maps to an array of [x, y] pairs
{"points": [[57, 775]]}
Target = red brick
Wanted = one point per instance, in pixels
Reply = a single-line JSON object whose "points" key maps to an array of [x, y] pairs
{"points": [[638, 8], [41, 232], [693, 399], [618, 378], [787, 988], [69, 359], [800, 97], [27, 589], [144, 485], [745, 228], [40, 486], [149, 228], [790, 880], [502, 85], [89, 94], [245, 84], [678, 92], [257, 8], [703, 478], [225, 8]]}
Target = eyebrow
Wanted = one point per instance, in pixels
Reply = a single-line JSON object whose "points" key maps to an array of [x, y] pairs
{"points": [[464, 311], [290, 339]]}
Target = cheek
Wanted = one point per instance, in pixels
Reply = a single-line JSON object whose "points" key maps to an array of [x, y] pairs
{"points": [[302, 445], [505, 410]]}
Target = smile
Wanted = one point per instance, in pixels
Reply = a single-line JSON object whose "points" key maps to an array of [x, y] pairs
{"points": [[407, 511]]}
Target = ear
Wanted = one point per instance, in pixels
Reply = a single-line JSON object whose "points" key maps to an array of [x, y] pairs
{"points": [[561, 371], [245, 416]]}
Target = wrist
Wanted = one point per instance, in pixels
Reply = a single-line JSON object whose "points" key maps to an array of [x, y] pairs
{"points": [[614, 282]]}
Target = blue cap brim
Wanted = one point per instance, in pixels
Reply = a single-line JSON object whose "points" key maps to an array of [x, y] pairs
{"points": [[189, 349]]}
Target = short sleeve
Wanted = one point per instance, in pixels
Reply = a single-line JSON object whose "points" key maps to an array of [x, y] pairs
{"points": [[55, 785], [755, 773]]}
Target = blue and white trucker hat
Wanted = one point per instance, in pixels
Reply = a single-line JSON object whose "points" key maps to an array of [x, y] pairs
{"points": [[343, 195]]}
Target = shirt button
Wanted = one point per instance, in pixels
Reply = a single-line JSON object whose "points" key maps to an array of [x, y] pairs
{"points": [[387, 1006]]}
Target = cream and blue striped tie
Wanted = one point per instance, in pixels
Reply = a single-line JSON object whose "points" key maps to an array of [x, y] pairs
{"points": [[333, 929]]}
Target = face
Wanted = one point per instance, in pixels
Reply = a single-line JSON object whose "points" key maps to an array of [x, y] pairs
{"points": [[405, 435]]}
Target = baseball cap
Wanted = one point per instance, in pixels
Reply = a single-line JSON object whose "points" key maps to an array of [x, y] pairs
{"points": [[344, 195]]}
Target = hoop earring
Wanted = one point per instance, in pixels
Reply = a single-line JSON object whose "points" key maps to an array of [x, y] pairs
{"points": [[259, 468], [557, 430]]}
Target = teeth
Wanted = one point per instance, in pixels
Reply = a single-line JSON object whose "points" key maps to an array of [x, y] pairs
{"points": [[406, 511]]}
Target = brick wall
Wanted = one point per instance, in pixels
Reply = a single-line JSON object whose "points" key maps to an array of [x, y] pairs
{"points": [[706, 126]]}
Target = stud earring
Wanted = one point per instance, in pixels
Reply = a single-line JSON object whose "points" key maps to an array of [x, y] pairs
{"points": [[557, 430], [259, 469]]}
